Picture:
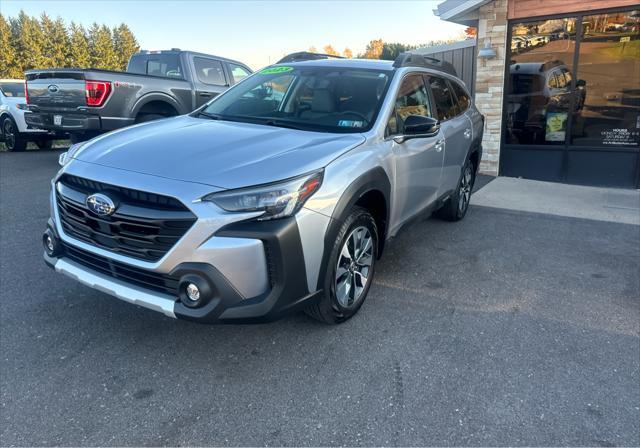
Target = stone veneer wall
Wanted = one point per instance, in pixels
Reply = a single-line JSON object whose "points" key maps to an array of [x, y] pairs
{"points": [[492, 27]]}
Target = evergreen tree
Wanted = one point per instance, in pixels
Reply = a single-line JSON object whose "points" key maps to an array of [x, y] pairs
{"points": [[125, 44], [27, 40], [56, 41], [101, 51], [79, 47], [8, 69]]}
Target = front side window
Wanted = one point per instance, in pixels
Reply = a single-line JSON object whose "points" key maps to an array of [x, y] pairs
{"points": [[442, 95], [308, 98], [209, 71], [412, 99], [238, 73]]}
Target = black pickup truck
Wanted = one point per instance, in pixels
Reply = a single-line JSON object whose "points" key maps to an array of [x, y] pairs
{"points": [[87, 102]]}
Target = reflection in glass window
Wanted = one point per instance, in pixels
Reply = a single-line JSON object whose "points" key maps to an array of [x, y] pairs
{"points": [[609, 81], [412, 100], [443, 98], [539, 94]]}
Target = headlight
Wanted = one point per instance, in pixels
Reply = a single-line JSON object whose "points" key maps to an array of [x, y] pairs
{"points": [[275, 200], [66, 157]]}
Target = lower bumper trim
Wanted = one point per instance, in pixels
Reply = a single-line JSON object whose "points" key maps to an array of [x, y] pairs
{"points": [[109, 285]]}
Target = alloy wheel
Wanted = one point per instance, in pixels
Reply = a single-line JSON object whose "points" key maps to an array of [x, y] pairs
{"points": [[465, 190], [9, 135], [354, 266]]}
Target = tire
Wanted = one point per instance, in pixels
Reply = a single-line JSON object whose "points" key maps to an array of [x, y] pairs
{"points": [[13, 140], [143, 118], [344, 290], [44, 143], [457, 205]]}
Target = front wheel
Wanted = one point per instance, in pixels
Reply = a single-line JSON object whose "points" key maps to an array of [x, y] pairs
{"points": [[13, 140], [457, 205], [351, 269]]}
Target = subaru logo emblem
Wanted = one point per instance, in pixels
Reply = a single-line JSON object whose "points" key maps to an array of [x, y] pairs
{"points": [[100, 204], [53, 88]]}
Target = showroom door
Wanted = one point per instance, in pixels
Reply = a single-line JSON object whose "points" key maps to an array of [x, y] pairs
{"points": [[572, 100]]}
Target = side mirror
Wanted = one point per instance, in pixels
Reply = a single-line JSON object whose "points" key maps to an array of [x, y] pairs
{"points": [[416, 126], [581, 83]]}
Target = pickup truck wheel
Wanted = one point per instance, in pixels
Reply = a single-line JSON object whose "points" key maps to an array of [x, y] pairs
{"points": [[44, 143], [457, 205], [352, 261], [13, 140]]}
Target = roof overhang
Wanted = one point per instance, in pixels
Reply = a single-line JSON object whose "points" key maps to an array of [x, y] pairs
{"points": [[464, 12]]}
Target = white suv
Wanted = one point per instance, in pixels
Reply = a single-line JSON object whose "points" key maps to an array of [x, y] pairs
{"points": [[13, 130]]}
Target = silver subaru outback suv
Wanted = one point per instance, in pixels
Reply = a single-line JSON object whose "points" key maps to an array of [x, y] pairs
{"points": [[276, 196]]}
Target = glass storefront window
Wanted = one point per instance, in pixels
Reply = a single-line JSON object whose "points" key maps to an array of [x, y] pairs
{"points": [[539, 82], [609, 86]]}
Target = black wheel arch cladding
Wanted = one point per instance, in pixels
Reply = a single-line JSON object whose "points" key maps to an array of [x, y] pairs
{"points": [[375, 179]]}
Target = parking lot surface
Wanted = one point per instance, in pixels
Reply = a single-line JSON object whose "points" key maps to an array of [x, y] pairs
{"points": [[509, 327]]}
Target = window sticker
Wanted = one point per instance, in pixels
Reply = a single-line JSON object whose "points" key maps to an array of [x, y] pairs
{"points": [[273, 70], [350, 123]]}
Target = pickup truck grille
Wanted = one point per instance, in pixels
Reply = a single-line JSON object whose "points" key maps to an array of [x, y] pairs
{"points": [[146, 279], [144, 226]]}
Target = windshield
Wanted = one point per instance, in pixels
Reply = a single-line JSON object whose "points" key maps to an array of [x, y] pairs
{"points": [[12, 89], [308, 98]]}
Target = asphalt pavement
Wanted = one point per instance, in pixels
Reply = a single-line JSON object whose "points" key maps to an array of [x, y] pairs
{"points": [[508, 328]]}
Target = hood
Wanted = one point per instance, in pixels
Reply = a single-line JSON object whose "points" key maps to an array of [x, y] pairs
{"points": [[218, 153]]}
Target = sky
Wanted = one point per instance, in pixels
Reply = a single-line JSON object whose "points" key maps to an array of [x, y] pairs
{"points": [[255, 32]]}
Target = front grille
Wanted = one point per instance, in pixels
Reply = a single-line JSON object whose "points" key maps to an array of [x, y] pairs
{"points": [[145, 225], [140, 277]]}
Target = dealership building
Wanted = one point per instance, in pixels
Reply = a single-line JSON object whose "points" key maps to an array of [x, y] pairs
{"points": [[559, 84]]}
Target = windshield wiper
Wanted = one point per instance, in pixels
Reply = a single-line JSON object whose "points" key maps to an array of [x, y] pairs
{"points": [[211, 116], [283, 124]]}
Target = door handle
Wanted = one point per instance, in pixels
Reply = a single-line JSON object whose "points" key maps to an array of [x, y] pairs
{"points": [[439, 146], [205, 94], [467, 133]]}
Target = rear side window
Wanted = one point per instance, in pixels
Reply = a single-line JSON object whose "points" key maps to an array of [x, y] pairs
{"points": [[210, 71], [412, 99], [463, 98], [238, 73], [167, 65], [12, 89], [443, 97]]}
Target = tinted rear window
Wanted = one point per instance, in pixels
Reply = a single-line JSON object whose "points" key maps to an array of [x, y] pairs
{"points": [[167, 65], [12, 89], [442, 95]]}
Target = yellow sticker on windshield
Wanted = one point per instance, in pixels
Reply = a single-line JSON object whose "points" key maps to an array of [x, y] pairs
{"points": [[273, 70]]}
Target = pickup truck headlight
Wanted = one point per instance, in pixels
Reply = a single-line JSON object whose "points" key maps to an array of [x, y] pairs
{"points": [[275, 200], [66, 157]]}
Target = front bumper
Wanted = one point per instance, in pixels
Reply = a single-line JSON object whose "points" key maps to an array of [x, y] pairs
{"points": [[258, 270], [287, 291]]}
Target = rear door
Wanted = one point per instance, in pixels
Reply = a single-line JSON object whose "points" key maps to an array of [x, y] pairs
{"points": [[456, 129], [418, 161], [209, 79]]}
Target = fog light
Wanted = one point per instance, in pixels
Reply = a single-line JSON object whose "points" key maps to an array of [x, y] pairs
{"points": [[193, 292], [52, 246], [48, 241]]}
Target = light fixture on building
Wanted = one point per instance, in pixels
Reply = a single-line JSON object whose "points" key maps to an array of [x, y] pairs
{"points": [[487, 52]]}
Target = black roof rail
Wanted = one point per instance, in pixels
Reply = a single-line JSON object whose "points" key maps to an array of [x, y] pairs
{"points": [[306, 56], [419, 60]]}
